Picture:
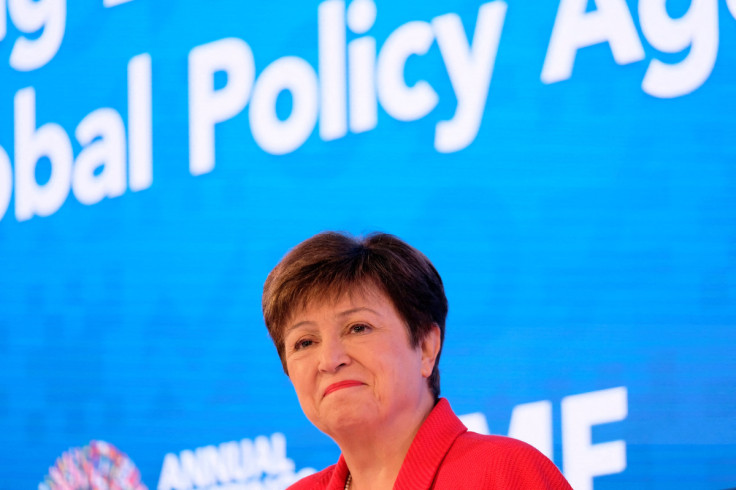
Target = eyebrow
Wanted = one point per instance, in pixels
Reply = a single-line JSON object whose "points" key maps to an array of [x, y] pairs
{"points": [[342, 314]]}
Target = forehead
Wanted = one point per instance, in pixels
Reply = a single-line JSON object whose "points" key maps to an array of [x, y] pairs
{"points": [[369, 304], [336, 302]]}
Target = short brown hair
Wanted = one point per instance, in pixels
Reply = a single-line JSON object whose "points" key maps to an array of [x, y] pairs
{"points": [[330, 264]]}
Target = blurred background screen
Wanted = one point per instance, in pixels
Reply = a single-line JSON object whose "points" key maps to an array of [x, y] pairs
{"points": [[569, 167]]}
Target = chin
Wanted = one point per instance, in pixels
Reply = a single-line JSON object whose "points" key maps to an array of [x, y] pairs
{"points": [[345, 417]]}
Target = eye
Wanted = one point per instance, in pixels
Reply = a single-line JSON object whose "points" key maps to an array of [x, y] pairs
{"points": [[303, 344], [359, 328]]}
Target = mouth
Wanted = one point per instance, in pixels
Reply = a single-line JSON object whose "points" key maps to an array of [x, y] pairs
{"points": [[340, 385]]}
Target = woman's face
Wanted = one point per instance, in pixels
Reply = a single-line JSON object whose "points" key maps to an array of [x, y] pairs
{"points": [[353, 367]]}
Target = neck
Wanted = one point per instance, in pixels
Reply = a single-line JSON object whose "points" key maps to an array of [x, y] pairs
{"points": [[374, 456]]}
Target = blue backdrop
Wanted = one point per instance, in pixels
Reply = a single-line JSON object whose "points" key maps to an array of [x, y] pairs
{"points": [[570, 169]]}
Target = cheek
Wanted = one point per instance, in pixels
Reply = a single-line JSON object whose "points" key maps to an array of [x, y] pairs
{"points": [[298, 379], [305, 386], [303, 394], [394, 368], [402, 369]]}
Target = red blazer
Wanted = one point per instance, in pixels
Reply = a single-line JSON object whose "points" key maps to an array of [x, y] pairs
{"points": [[444, 455]]}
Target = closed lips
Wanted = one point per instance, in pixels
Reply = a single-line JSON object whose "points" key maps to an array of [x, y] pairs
{"points": [[340, 385]]}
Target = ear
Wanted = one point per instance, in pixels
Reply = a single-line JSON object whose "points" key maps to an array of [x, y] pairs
{"points": [[430, 347]]}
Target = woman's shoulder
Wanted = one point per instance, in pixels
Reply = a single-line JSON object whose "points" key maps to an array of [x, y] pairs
{"points": [[506, 448], [315, 481], [481, 442], [503, 461]]}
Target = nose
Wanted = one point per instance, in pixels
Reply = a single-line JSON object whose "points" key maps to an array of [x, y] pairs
{"points": [[332, 355]]}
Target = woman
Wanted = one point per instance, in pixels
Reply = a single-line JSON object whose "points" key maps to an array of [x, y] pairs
{"points": [[359, 325]]}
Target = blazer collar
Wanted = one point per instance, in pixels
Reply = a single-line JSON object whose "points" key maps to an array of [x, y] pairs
{"points": [[429, 447]]}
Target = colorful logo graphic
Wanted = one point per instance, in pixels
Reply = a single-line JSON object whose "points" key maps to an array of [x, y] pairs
{"points": [[99, 466]]}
